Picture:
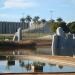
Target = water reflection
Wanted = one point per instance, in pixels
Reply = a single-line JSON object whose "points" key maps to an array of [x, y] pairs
{"points": [[60, 66], [33, 66], [25, 66], [9, 64], [37, 50]]}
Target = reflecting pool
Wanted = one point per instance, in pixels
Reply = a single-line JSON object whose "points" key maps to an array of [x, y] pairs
{"points": [[28, 66]]}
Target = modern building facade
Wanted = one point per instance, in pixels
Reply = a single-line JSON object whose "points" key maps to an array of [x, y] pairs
{"points": [[11, 27]]}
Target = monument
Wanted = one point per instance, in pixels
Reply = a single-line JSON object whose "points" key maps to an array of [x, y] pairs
{"points": [[62, 44], [18, 35]]}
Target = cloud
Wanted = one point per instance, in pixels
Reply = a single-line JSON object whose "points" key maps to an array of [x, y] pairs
{"points": [[19, 4]]}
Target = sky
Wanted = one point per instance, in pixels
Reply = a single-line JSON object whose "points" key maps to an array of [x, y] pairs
{"points": [[13, 10]]}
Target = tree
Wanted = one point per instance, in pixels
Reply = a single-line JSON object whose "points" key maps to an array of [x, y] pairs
{"points": [[64, 26], [28, 19], [51, 21], [36, 19], [54, 26], [59, 23], [22, 19], [43, 21], [71, 27], [59, 20]]}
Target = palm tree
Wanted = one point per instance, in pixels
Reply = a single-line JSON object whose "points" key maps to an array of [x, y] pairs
{"points": [[36, 21], [28, 20], [43, 21], [22, 20]]}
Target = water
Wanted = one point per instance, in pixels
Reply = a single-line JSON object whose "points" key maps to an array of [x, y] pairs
{"points": [[28, 66], [38, 50]]}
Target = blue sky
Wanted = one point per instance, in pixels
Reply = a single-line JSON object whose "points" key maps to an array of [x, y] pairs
{"points": [[13, 10]]}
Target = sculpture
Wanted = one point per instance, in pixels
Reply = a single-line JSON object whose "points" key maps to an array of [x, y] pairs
{"points": [[18, 35], [62, 44]]}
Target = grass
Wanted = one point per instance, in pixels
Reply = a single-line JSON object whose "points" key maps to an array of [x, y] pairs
{"points": [[34, 35], [26, 36], [6, 37]]}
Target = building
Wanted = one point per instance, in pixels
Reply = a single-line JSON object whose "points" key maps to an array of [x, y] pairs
{"points": [[11, 27]]}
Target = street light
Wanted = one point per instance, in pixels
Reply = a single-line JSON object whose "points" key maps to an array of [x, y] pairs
{"points": [[51, 12]]}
